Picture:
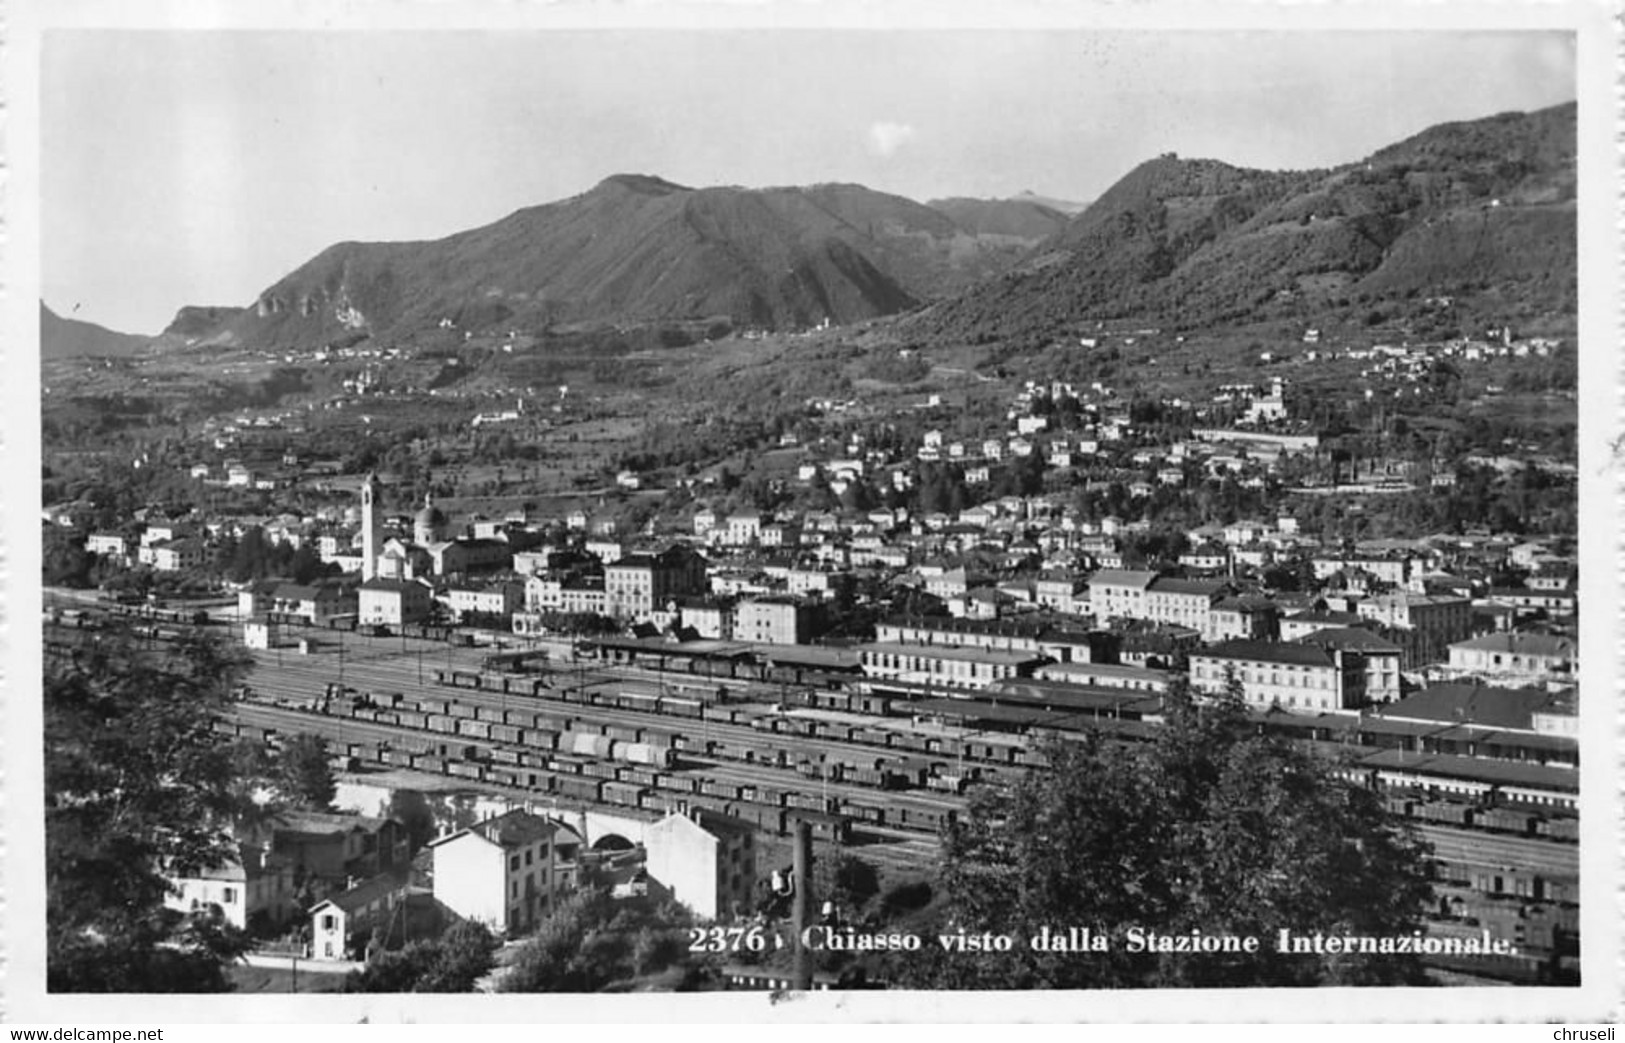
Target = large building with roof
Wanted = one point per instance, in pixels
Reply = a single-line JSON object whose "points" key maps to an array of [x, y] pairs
{"points": [[1289, 676]]}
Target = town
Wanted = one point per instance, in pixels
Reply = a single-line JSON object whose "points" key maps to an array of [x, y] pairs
{"points": [[640, 674]]}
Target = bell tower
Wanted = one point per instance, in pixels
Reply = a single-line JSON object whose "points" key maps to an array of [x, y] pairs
{"points": [[369, 527]]}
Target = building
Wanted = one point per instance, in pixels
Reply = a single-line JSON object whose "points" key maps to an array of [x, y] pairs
{"points": [[257, 885], [708, 617], [1184, 602], [1120, 593], [369, 528], [342, 925], [506, 872], [1381, 659], [945, 667], [778, 620], [1246, 616], [1423, 625], [336, 849], [1272, 674], [1514, 658], [1061, 592], [1106, 675], [456, 557], [313, 603], [495, 601], [742, 530], [393, 602], [637, 585], [174, 555], [108, 544], [705, 860], [1300, 625]]}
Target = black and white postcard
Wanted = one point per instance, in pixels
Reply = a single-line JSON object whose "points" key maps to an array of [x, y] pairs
{"points": [[801, 512]]}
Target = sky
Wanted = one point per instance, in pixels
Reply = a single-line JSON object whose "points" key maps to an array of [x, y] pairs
{"points": [[198, 167]]}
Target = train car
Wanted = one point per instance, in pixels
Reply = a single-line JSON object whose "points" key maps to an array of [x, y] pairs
{"points": [[580, 787], [474, 729], [862, 811], [834, 828], [680, 706], [586, 744], [642, 753], [624, 794], [1508, 820], [508, 733], [601, 770]]}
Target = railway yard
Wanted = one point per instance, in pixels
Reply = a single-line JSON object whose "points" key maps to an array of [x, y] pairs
{"points": [[567, 727]]}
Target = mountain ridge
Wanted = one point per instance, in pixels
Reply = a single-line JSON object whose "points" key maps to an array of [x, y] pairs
{"points": [[1466, 207]]}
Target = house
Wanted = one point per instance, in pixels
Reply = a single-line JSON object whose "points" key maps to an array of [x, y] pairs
{"points": [[1516, 658], [333, 849], [493, 600], [708, 617], [313, 603], [342, 925], [393, 602], [255, 886], [1060, 592], [705, 860], [108, 544], [174, 555], [741, 530], [506, 872]]}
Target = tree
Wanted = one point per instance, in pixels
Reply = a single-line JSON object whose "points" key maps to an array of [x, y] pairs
{"points": [[64, 560], [137, 786], [304, 776], [1211, 828], [411, 809]]}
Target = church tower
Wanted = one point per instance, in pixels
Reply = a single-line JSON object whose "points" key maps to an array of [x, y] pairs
{"points": [[369, 527]]}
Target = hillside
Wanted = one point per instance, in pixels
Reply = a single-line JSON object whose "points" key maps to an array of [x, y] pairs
{"points": [[637, 248], [1481, 207], [1023, 219], [70, 338]]}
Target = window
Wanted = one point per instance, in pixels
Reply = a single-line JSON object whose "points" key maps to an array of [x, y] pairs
{"points": [[513, 864], [329, 922], [228, 894], [513, 889], [529, 856]]}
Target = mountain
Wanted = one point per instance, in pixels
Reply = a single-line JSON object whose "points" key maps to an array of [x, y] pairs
{"points": [[1023, 219], [633, 248], [71, 338], [197, 322], [1065, 206], [1479, 207]]}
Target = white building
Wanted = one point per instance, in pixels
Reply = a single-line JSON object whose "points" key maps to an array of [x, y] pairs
{"points": [[707, 862], [506, 872]]}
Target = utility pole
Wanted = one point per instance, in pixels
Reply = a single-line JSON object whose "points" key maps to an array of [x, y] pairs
{"points": [[802, 903]]}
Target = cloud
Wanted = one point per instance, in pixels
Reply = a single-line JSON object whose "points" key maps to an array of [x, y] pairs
{"points": [[886, 137]]}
